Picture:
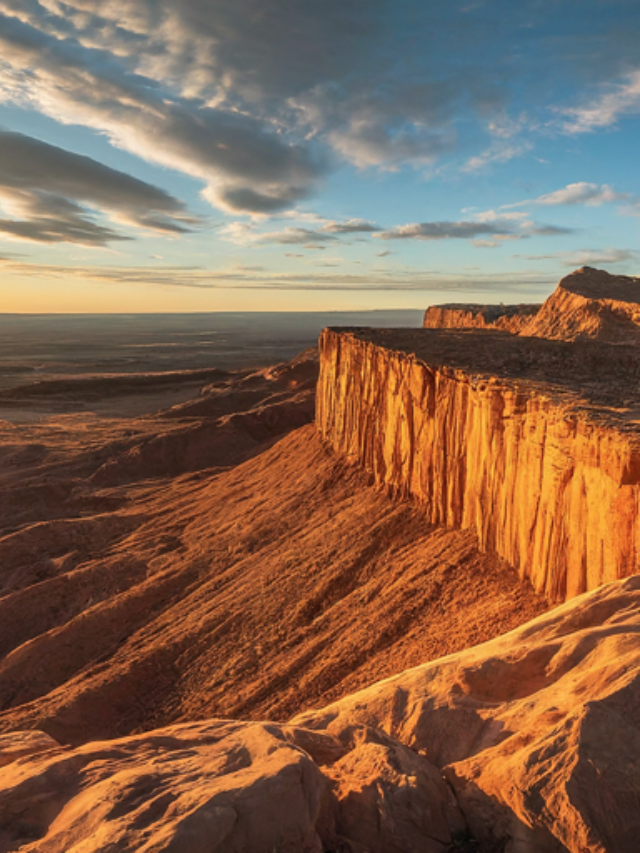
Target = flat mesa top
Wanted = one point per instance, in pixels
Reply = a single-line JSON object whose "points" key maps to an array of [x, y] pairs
{"points": [[601, 378], [600, 285]]}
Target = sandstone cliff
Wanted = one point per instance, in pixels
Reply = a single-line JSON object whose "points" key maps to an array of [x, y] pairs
{"points": [[590, 303], [509, 318], [513, 437], [587, 304]]}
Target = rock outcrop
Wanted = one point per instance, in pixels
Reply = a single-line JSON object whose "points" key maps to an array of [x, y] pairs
{"points": [[587, 304], [228, 786], [523, 440], [527, 744], [508, 318], [538, 731], [590, 304]]}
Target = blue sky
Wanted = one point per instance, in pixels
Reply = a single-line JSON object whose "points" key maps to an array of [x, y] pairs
{"points": [[187, 155]]}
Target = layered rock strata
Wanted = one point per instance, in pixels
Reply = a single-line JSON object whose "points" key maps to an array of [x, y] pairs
{"points": [[508, 318], [588, 304], [514, 437]]}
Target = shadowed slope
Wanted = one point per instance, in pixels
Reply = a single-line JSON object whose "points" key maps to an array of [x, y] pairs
{"points": [[274, 586]]}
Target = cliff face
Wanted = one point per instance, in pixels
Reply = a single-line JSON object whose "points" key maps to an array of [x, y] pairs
{"points": [[508, 318], [553, 491], [590, 303]]}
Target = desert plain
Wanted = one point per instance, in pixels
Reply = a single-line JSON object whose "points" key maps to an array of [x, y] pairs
{"points": [[380, 597]]}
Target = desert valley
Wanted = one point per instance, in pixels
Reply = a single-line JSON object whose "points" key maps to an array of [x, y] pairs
{"points": [[379, 598]]}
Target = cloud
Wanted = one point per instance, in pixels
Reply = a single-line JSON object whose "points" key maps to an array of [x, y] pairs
{"points": [[580, 193], [255, 98], [612, 103], [439, 231], [399, 279], [245, 233], [587, 257], [52, 193], [245, 163], [259, 99], [550, 230], [351, 226], [510, 138], [293, 236], [497, 226]]}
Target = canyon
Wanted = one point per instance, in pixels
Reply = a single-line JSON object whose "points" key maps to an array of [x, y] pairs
{"points": [[409, 626]]}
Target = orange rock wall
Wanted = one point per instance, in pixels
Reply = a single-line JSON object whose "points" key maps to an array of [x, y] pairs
{"points": [[469, 317], [555, 495]]}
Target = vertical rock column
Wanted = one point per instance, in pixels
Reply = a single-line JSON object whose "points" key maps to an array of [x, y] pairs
{"points": [[554, 494]]}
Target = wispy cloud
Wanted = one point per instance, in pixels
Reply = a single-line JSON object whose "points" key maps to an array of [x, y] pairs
{"points": [[580, 193], [295, 236], [498, 227], [398, 279], [587, 257], [613, 101], [52, 195], [351, 226], [246, 233], [438, 231], [510, 138]]}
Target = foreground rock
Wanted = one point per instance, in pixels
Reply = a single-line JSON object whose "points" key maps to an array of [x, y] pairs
{"points": [[538, 731], [225, 786], [526, 744]]}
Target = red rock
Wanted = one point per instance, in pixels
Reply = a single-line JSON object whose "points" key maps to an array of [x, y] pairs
{"points": [[19, 744], [508, 318], [200, 788], [538, 731], [225, 786], [520, 439], [590, 304]]}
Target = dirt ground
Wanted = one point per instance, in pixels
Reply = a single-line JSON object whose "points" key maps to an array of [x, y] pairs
{"points": [[216, 560]]}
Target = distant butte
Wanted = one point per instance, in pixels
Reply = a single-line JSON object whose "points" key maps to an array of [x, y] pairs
{"points": [[587, 304], [507, 318]]}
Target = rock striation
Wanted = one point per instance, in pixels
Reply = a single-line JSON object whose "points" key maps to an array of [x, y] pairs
{"points": [[508, 318], [248, 593], [523, 440], [590, 304]]}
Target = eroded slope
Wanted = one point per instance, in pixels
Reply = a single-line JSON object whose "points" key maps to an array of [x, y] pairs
{"points": [[255, 592]]}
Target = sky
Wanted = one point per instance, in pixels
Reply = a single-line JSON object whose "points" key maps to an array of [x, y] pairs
{"points": [[215, 155]]}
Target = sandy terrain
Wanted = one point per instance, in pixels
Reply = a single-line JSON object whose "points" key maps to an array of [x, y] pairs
{"points": [[195, 562]]}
